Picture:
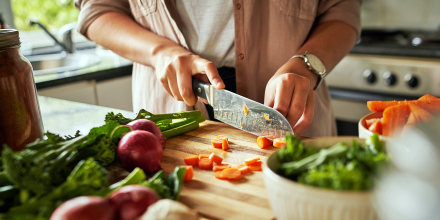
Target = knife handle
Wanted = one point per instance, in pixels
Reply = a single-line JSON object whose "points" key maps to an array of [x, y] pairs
{"points": [[200, 88]]}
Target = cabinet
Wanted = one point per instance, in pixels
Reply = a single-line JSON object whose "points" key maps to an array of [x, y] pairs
{"points": [[115, 93], [83, 91]]}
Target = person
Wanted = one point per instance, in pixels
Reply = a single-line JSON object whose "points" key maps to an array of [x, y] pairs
{"points": [[171, 41]]}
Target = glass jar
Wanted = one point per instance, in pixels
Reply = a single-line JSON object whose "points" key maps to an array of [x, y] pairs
{"points": [[20, 118]]}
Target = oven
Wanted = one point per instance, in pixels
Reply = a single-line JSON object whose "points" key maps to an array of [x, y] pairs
{"points": [[384, 65]]}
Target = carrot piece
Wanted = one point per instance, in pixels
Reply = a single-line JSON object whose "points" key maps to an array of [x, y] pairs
{"points": [[255, 167], [216, 143], [225, 144], [394, 118], [380, 106], [371, 121], [376, 127], [231, 173], [279, 142], [430, 104], [245, 110], [203, 156], [191, 160], [205, 163], [419, 113], [189, 173], [219, 175], [428, 97], [251, 160], [243, 168], [264, 142], [215, 158], [220, 167]]}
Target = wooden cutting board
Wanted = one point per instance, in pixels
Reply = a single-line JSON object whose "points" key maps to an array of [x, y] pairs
{"points": [[214, 198]]}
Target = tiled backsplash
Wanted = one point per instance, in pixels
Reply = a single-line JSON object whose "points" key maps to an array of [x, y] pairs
{"points": [[406, 14]]}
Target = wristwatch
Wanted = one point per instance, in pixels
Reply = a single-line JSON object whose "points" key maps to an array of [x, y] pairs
{"points": [[315, 65]]}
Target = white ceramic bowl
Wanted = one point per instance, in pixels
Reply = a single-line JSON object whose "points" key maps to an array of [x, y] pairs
{"points": [[362, 125], [291, 200]]}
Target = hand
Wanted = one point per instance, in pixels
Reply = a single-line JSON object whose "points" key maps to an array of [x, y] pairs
{"points": [[290, 91], [175, 68]]}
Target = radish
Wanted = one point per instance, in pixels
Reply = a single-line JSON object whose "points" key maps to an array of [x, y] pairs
{"points": [[84, 208], [132, 201], [141, 149], [147, 125]]}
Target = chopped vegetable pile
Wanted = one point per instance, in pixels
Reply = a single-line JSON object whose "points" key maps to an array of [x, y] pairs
{"points": [[339, 167], [33, 182]]}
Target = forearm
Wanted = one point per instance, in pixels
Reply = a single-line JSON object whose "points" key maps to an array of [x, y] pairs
{"points": [[121, 34]]}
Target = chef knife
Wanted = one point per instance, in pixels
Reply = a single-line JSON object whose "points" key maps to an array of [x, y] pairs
{"points": [[243, 113]]}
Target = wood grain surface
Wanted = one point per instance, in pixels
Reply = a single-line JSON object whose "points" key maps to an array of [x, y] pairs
{"points": [[214, 198]]}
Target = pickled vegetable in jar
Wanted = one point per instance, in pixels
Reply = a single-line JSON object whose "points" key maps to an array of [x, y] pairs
{"points": [[20, 118]]}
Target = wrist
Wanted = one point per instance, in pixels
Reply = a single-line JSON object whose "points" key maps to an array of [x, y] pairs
{"points": [[314, 65], [298, 66]]}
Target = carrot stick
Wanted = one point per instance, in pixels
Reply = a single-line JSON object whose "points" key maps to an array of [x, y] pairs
{"points": [[203, 156], [231, 173], [220, 167], [215, 158], [380, 106], [205, 163], [243, 168], [264, 142], [189, 173], [376, 127], [279, 142], [394, 118], [216, 143], [191, 160], [251, 160], [225, 144], [255, 167]]}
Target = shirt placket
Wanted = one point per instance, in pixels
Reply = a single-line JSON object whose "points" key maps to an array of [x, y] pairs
{"points": [[240, 51]]}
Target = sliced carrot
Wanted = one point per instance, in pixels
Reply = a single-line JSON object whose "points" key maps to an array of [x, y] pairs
{"points": [[231, 173], [225, 144], [216, 143], [380, 106], [419, 113], [255, 167], [371, 121], [203, 156], [219, 175], [279, 142], [394, 118], [264, 142], [429, 104], [376, 127], [220, 167], [245, 110], [191, 160], [215, 158], [243, 168], [205, 163], [189, 173], [428, 97], [251, 160]]}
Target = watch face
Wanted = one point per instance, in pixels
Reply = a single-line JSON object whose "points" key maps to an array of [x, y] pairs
{"points": [[316, 63]]}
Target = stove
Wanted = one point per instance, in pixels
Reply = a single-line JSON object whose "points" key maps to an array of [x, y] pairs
{"points": [[384, 65]]}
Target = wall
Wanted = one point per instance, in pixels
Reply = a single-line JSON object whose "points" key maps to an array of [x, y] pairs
{"points": [[405, 14]]}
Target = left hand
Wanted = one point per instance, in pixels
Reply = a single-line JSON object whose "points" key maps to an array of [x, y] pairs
{"points": [[290, 91]]}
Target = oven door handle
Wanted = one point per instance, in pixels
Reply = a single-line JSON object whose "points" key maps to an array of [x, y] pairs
{"points": [[361, 96]]}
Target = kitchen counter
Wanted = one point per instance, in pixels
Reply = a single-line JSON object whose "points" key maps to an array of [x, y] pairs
{"points": [[211, 197]]}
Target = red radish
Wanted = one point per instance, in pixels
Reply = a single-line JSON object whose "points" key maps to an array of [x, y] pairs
{"points": [[132, 201], [147, 125], [84, 208], [140, 149]]}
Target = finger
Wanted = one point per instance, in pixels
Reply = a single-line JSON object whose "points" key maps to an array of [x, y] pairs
{"points": [[164, 81], [173, 83], [185, 87], [306, 119], [269, 95], [284, 91], [299, 99], [209, 68]]}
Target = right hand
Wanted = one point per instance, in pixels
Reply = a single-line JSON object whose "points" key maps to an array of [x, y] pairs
{"points": [[175, 68]]}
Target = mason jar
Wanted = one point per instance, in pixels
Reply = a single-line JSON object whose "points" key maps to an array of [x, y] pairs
{"points": [[20, 118]]}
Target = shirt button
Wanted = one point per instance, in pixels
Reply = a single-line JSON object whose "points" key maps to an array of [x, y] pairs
{"points": [[238, 6], [241, 56]]}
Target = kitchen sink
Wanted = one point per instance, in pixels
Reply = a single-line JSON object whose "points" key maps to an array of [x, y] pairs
{"points": [[62, 62]]}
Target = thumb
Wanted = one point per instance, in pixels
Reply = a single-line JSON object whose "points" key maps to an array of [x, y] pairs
{"points": [[210, 70]]}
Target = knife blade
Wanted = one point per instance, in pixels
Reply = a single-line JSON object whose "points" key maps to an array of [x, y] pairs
{"points": [[243, 113]]}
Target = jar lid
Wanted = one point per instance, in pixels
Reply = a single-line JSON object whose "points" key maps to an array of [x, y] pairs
{"points": [[9, 38]]}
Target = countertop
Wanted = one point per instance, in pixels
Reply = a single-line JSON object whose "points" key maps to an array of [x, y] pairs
{"points": [[211, 197], [110, 66]]}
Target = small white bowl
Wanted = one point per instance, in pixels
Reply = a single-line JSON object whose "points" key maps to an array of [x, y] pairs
{"points": [[362, 125], [291, 200]]}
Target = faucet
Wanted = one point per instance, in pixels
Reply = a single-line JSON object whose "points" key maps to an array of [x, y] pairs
{"points": [[66, 32]]}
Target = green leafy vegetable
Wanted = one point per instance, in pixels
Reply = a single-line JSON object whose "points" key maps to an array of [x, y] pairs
{"points": [[339, 167]]}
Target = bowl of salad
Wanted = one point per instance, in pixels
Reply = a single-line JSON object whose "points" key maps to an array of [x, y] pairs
{"points": [[324, 178]]}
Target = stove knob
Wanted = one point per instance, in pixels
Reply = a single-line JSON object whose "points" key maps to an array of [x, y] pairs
{"points": [[390, 78], [369, 76], [411, 80]]}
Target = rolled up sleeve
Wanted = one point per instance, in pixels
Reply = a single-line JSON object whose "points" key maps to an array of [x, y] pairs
{"points": [[347, 11], [90, 10]]}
